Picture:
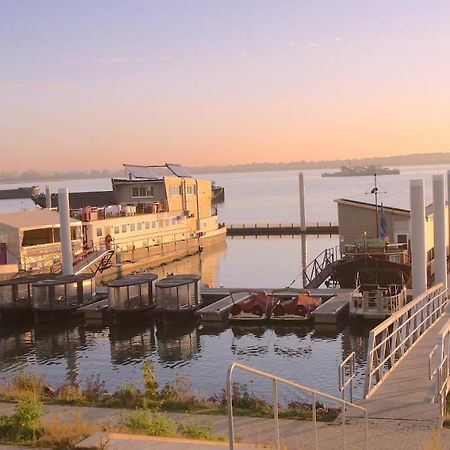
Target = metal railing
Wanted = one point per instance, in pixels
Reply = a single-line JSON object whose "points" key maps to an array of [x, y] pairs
{"points": [[317, 265], [390, 341], [348, 366], [441, 354], [314, 394]]}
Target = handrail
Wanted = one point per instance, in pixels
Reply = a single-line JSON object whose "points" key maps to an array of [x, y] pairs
{"points": [[391, 340], [442, 352], [431, 372], [327, 256], [277, 380], [343, 382]]}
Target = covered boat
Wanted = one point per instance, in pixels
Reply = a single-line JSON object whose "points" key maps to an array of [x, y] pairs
{"points": [[61, 297], [257, 308], [178, 297], [295, 308], [132, 297], [16, 297]]}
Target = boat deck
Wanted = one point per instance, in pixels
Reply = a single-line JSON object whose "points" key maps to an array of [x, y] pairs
{"points": [[219, 310], [335, 309]]}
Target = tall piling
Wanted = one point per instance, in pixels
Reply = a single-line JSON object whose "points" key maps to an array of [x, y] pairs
{"points": [[440, 235], [48, 196], [301, 190], [64, 231], [418, 237]]}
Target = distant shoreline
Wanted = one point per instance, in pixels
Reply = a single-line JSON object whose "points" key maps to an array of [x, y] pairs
{"points": [[389, 161]]}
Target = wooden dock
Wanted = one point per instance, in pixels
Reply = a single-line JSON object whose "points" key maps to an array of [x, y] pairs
{"points": [[95, 311], [280, 229], [335, 309], [220, 310]]}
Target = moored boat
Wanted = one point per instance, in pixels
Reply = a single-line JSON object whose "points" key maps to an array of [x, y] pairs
{"points": [[132, 298], [60, 298], [178, 297], [16, 297], [296, 308], [256, 308]]}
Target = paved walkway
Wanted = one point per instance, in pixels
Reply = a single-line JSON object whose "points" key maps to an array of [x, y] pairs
{"points": [[407, 393], [383, 434]]}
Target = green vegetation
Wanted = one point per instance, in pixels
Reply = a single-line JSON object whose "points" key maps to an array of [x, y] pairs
{"points": [[172, 397]]}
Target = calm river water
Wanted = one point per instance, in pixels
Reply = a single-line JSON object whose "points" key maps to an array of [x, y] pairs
{"points": [[75, 351]]}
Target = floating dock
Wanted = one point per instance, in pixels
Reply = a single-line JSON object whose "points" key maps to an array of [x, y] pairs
{"points": [[95, 311], [335, 309], [220, 309], [280, 229]]}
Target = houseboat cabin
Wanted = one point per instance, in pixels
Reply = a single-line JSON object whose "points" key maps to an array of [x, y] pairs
{"points": [[16, 297], [178, 295], [132, 296], [61, 297]]}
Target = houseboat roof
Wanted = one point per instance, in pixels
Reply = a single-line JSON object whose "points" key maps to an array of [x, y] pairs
{"points": [[65, 279], [156, 172], [79, 199], [177, 280], [133, 280], [32, 219]]}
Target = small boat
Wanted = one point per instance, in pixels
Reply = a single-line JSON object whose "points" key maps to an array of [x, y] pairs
{"points": [[178, 297], [132, 298], [16, 297], [62, 297], [257, 308], [297, 308]]}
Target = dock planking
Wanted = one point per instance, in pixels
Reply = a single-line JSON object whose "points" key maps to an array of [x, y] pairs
{"points": [[219, 310]]}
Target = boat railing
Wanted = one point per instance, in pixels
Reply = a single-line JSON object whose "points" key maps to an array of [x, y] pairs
{"points": [[391, 340], [316, 266], [387, 300], [314, 393]]}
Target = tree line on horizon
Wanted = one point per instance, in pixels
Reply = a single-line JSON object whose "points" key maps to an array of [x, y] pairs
{"points": [[398, 160]]}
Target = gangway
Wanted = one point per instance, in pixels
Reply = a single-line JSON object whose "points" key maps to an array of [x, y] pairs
{"points": [[96, 261], [321, 268]]}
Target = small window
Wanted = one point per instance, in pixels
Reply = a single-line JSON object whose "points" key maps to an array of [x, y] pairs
{"points": [[147, 225], [154, 224], [99, 232], [124, 228], [139, 226], [174, 221], [135, 192], [167, 222], [132, 227], [402, 238], [116, 229]]}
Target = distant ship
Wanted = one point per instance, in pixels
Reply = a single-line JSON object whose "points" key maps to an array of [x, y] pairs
{"points": [[361, 171]]}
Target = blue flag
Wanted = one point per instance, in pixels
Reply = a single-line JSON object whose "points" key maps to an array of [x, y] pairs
{"points": [[383, 223]]}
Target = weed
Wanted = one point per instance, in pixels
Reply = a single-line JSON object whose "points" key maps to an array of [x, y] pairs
{"points": [[128, 396], [198, 431], [94, 389], [150, 383], [151, 424], [30, 382], [70, 393]]}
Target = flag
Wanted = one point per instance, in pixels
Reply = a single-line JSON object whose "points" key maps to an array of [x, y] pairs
{"points": [[383, 223]]}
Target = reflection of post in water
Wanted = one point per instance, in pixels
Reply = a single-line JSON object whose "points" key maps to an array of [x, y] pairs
{"points": [[130, 342], [15, 342], [59, 340], [304, 257], [177, 343]]}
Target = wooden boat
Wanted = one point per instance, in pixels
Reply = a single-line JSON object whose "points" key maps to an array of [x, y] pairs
{"points": [[132, 298], [63, 296], [297, 308], [16, 297], [257, 308]]}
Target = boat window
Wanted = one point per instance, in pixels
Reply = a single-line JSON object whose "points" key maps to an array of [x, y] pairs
{"points": [[124, 228], [142, 191], [167, 222], [132, 227], [174, 221], [116, 229], [147, 225], [99, 232], [154, 224], [139, 226]]}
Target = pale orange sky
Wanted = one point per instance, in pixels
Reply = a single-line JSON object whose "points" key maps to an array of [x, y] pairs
{"points": [[212, 83]]}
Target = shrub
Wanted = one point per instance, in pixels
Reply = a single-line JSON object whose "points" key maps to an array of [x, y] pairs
{"points": [[169, 392], [150, 383], [70, 393], [27, 381], [128, 396], [151, 424], [198, 431], [94, 389]]}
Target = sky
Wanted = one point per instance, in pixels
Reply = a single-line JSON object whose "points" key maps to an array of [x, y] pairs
{"points": [[90, 84]]}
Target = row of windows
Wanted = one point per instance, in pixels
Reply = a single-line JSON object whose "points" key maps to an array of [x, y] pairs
{"points": [[177, 190], [142, 191], [125, 227]]}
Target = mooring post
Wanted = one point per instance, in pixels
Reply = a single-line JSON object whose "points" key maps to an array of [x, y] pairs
{"points": [[440, 235], [48, 196], [64, 231], [418, 238], [301, 189]]}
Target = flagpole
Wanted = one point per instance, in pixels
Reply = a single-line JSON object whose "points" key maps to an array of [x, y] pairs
{"points": [[376, 204]]}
